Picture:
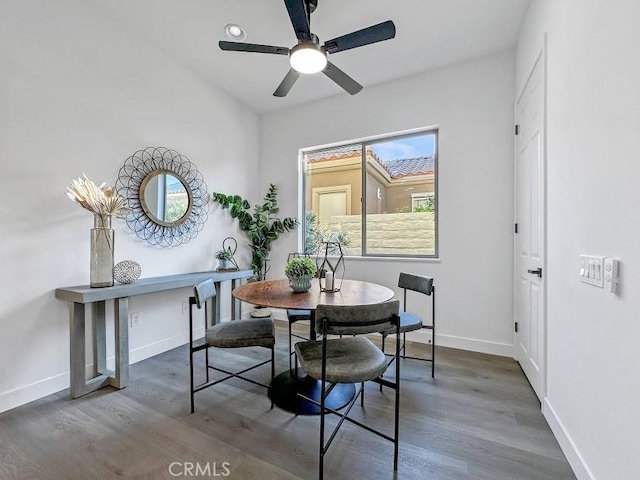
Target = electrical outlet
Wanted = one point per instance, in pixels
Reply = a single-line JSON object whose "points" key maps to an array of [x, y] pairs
{"points": [[136, 318], [185, 308]]}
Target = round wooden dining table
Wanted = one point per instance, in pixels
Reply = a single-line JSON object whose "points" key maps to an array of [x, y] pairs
{"points": [[278, 294]]}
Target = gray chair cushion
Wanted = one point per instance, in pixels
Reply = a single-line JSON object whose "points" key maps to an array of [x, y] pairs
{"points": [[258, 332], [409, 322], [349, 360]]}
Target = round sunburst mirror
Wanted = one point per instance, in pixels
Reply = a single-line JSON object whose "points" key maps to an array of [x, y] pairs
{"points": [[166, 195]]}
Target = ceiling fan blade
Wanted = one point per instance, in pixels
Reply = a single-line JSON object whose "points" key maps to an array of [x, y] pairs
{"points": [[299, 18], [375, 33], [252, 47], [286, 84], [342, 79]]}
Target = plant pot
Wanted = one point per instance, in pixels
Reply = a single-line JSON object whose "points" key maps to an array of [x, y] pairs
{"points": [[300, 284], [224, 263]]}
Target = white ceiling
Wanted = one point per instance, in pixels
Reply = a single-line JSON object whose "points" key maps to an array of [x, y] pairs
{"points": [[429, 34]]}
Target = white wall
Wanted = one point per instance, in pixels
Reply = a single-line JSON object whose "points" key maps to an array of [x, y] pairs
{"points": [[472, 103], [80, 93], [593, 392]]}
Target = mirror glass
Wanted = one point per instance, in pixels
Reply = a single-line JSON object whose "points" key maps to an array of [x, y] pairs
{"points": [[165, 198]]}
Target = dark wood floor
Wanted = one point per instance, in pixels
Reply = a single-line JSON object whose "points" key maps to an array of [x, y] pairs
{"points": [[478, 420]]}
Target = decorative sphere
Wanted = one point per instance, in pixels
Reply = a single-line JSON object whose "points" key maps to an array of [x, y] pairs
{"points": [[127, 271]]}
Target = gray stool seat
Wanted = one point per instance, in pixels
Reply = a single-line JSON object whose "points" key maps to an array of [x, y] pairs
{"points": [[349, 360], [257, 332], [408, 323]]}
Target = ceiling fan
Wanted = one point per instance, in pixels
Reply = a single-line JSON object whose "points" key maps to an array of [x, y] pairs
{"points": [[308, 56]]}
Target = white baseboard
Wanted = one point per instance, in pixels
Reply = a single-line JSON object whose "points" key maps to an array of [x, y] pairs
{"points": [[424, 336], [475, 345], [34, 391], [47, 386], [575, 459], [151, 350], [28, 393], [146, 351]]}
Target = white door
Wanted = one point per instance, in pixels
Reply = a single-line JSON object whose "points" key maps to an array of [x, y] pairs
{"points": [[530, 265], [329, 202]]}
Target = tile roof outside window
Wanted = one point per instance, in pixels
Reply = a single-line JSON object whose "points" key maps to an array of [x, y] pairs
{"points": [[397, 168], [405, 167], [335, 153]]}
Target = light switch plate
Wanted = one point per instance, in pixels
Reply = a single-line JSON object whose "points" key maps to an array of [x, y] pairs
{"points": [[592, 270]]}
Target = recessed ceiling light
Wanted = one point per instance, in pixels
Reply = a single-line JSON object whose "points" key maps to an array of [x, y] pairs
{"points": [[235, 31]]}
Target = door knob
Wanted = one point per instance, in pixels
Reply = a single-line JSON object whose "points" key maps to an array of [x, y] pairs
{"points": [[537, 271]]}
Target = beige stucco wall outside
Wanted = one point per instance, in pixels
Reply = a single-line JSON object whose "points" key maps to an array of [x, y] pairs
{"points": [[390, 233], [349, 172]]}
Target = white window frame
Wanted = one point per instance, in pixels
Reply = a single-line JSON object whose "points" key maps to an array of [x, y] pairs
{"points": [[303, 207]]}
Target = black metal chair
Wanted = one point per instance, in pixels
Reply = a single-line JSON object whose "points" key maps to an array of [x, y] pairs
{"points": [[352, 359], [257, 332], [410, 322], [296, 316]]}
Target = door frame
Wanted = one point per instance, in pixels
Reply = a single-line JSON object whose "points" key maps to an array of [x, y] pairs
{"points": [[540, 58], [317, 192]]}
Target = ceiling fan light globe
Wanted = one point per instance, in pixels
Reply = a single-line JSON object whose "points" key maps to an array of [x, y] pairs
{"points": [[307, 58]]}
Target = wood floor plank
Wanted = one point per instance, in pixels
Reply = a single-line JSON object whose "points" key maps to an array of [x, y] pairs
{"points": [[478, 419]]}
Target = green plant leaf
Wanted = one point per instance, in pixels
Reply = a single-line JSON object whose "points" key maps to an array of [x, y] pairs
{"points": [[262, 228]]}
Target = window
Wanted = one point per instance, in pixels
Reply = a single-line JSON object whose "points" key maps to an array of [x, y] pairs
{"points": [[422, 202], [377, 197]]}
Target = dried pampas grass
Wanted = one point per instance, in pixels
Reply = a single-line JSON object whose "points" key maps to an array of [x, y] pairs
{"points": [[100, 200]]}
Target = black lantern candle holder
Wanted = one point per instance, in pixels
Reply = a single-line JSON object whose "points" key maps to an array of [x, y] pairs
{"points": [[225, 256], [331, 266]]}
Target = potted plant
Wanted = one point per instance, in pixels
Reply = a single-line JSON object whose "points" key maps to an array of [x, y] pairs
{"points": [[316, 234], [224, 259], [299, 271], [262, 228]]}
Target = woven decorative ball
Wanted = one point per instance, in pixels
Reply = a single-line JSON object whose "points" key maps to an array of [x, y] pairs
{"points": [[127, 271]]}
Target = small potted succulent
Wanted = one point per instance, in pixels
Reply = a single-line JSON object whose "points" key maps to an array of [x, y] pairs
{"points": [[300, 271], [225, 258]]}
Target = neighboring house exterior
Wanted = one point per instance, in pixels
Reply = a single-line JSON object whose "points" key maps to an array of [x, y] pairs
{"points": [[395, 189], [334, 182]]}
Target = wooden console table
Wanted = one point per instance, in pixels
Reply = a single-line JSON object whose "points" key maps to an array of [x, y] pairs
{"points": [[79, 296]]}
